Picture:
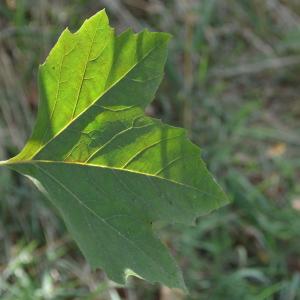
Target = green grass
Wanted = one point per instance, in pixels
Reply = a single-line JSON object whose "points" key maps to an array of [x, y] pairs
{"points": [[232, 79]]}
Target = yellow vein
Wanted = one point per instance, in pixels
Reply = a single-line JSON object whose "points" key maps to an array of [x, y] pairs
{"points": [[184, 185], [84, 71], [140, 152]]}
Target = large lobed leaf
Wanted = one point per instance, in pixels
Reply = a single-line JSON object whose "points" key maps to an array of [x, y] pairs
{"points": [[110, 170]]}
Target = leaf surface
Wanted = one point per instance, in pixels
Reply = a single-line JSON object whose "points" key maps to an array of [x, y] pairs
{"points": [[110, 170]]}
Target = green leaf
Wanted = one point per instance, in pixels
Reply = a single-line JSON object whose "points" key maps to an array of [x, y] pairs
{"points": [[110, 170]]}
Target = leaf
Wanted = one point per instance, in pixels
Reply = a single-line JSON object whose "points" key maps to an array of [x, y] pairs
{"points": [[110, 170]]}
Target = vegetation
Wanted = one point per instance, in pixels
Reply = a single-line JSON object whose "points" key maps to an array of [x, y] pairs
{"points": [[232, 81], [111, 171]]}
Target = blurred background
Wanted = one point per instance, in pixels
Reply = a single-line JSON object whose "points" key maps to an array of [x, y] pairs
{"points": [[233, 80]]}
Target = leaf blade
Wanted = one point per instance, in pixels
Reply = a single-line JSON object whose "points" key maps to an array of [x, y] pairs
{"points": [[110, 170]]}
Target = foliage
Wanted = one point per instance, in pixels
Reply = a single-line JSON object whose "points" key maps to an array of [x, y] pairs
{"points": [[110, 170]]}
